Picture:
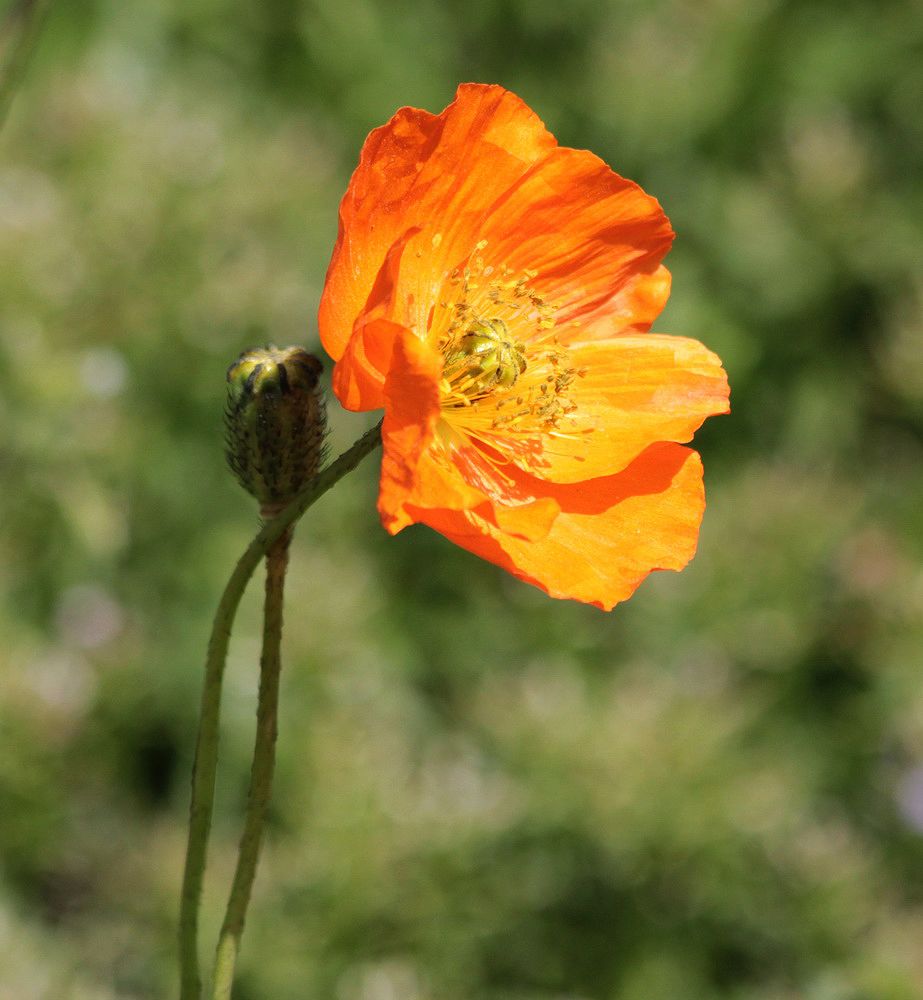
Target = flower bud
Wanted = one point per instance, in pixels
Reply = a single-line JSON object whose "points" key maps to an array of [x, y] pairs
{"points": [[275, 423]]}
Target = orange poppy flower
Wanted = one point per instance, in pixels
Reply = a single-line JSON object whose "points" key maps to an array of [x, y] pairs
{"points": [[492, 292]]}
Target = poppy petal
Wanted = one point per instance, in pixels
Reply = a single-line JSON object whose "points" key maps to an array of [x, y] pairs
{"points": [[412, 409], [611, 532], [357, 377], [632, 391], [441, 173], [425, 466], [589, 235]]}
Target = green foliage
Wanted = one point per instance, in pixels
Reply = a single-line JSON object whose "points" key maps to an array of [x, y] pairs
{"points": [[714, 792]]}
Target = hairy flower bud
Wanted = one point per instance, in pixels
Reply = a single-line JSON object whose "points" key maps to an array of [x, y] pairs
{"points": [[275, 423]]}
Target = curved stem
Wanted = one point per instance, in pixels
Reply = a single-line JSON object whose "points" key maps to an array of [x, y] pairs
{"points": [[206, 755], [261, 772]]}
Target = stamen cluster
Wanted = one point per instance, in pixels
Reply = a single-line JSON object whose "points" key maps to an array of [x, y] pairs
{"points": [[500, 351]]}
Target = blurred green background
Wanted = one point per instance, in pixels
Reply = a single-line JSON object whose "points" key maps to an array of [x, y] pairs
{"points": [[715, 791]]}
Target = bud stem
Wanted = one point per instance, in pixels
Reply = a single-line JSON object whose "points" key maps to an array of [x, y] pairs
{"points": [[261, 773], [206, 757]]}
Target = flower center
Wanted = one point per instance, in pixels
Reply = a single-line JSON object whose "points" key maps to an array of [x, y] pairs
{"points": [[482, 358], [504, 370]]}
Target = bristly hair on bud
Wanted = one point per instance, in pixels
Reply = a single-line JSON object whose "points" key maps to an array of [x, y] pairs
{"points": [[276, 423]]}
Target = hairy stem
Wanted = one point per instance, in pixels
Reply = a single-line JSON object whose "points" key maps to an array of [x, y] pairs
{"points": [[206, 756], [261, 773]]}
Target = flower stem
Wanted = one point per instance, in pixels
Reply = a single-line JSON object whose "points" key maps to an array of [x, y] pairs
{"points": [[261, 773], [206, 755]]}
